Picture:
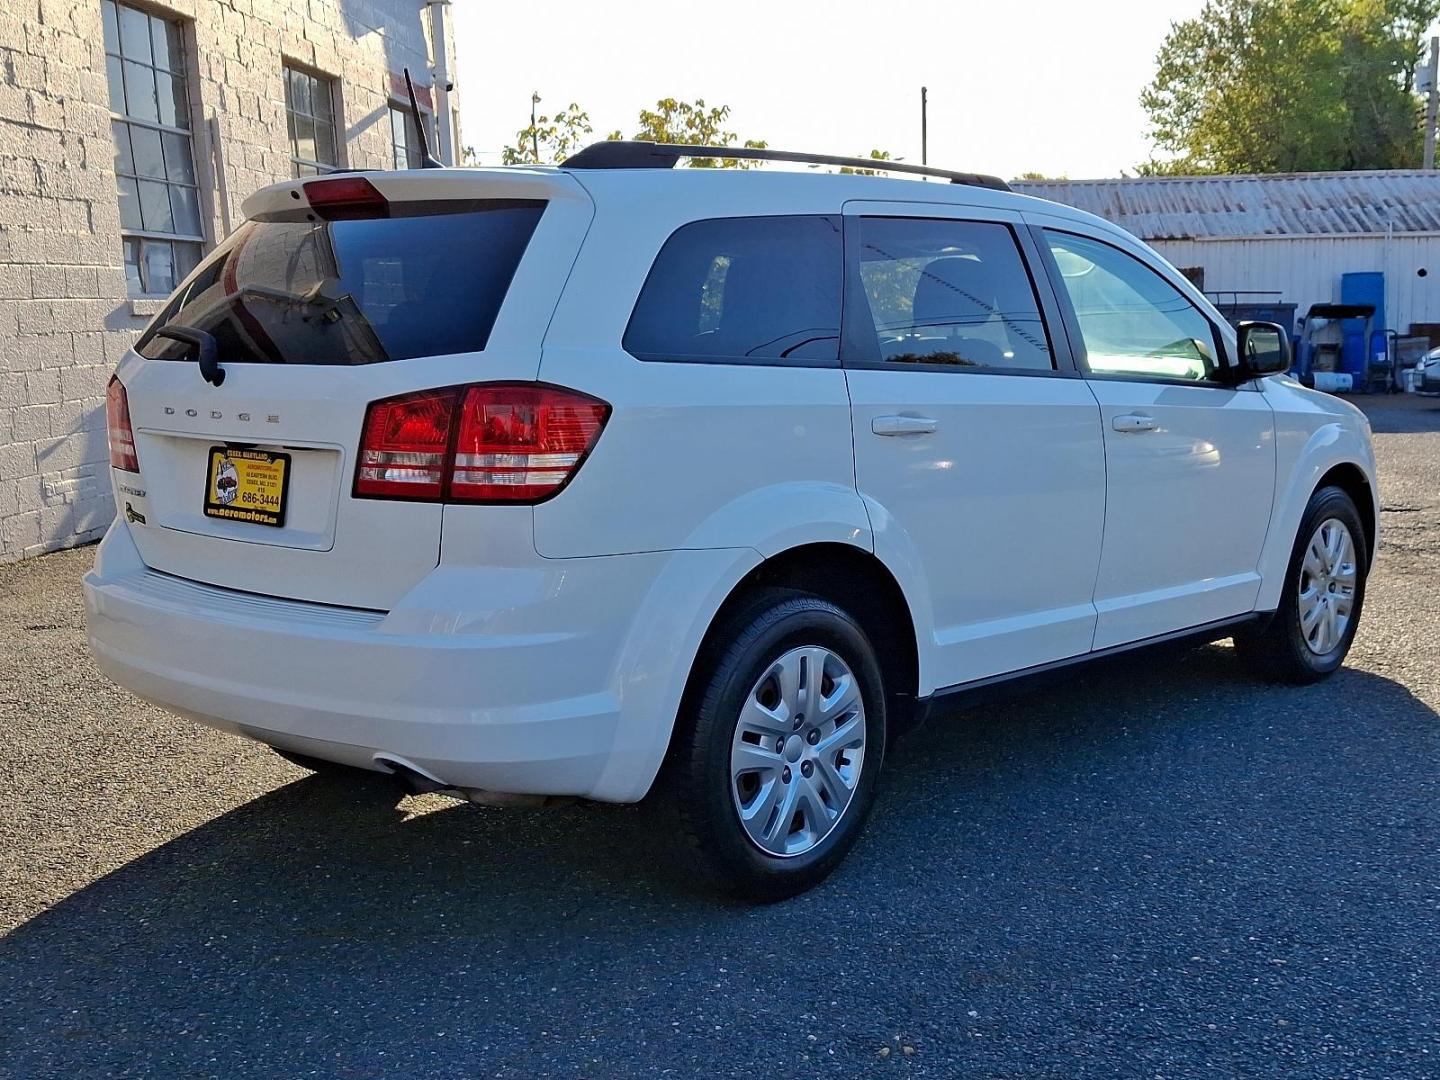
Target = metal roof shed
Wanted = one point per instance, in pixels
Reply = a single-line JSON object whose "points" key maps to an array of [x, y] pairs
{"points": [[1294, 233]]}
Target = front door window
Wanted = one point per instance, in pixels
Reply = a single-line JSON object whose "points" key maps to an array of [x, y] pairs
{"points": [[1133, 321]]}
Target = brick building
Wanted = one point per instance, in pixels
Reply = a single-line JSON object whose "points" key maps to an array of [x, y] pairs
{"points": [[130, 133]]}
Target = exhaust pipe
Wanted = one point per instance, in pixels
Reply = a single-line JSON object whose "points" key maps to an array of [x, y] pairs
{"points": [[415, 781], [412, 780]]}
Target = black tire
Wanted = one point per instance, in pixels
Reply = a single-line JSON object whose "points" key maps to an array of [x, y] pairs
{"points": [[1278, 651], [695, 790], [320, 765]]}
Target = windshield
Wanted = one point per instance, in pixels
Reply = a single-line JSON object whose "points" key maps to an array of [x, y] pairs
{"points": [[355, 291]]}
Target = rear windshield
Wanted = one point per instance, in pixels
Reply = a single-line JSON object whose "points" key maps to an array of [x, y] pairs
{"points": [[352, 292]]}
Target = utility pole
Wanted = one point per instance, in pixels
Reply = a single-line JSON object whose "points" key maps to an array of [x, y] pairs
{"points": [[1432, 98], [924, 125], [534, 135]]}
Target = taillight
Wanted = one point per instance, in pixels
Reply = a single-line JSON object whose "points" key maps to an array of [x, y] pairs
{"points": [[493, 442], [345, 198], [522, 443], [402, 449], [117, 422]]}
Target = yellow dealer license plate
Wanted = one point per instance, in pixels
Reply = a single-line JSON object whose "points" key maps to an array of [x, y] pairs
{"points": [[247, 485]]}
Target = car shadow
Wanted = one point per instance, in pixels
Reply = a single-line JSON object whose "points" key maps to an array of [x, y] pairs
{"points": [[333, 919]]}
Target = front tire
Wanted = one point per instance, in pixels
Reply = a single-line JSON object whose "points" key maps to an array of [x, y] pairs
{"points": [[1319, 611], [773, 767]]}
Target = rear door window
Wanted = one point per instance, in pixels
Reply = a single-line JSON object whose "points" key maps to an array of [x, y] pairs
{"points": [[952, 293], [359, 291], [758, 289]]}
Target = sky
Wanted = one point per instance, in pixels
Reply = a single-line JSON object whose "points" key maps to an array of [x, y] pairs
{"points": [[1049, 86]]}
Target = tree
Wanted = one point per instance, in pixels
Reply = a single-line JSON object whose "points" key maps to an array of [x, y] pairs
{"points": [[694, 124], [874, 155], [1040, 176], [549, 140], [1289, 86], [1181, 166]]}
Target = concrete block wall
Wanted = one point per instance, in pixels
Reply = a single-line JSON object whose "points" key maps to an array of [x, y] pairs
{"points": [[65, 316]]}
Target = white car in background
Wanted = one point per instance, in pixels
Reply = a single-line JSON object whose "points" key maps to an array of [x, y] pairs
{"points": [[615, 478], [1427, 374]]}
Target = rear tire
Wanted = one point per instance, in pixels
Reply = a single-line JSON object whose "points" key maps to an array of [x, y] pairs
{"points": [[773, 766], [1320, 606]]}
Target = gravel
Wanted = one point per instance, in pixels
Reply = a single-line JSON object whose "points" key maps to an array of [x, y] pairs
{"points": [[1161, 870]]}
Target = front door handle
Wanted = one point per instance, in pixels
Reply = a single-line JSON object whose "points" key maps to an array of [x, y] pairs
{"points": [[902, 425], [1133, 422]]}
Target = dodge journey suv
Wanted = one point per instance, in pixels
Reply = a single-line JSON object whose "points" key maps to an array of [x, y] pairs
{"points": [[617, 480]]}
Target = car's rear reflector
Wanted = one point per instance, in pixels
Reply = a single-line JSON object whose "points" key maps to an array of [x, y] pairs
{"points": [[117, 422], [346, 198], [490, 443]]}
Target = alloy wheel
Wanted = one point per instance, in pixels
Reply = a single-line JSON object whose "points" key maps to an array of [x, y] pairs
{"points": [[1327, 586]]}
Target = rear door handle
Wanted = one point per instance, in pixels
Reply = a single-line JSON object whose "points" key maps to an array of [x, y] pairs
{"points": [[1133, 422], [902, 425]]}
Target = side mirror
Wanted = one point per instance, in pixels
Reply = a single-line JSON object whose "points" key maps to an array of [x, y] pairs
{"points": [[1264, 349]]}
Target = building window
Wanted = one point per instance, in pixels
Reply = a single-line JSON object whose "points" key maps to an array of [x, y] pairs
{"points": [[402, 137], [310, 114], [154, 159]]}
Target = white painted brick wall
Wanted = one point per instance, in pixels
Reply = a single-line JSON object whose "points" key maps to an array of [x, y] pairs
{"points": [[65, 318]]}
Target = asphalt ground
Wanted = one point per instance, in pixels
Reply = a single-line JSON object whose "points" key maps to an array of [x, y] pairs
{"points": [[1163, 869]]}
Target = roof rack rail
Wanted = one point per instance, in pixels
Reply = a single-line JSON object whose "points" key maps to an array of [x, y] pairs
{"points": [[637, 154]]}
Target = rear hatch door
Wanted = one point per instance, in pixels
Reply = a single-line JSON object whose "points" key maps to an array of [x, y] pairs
{"points": [[450, 278]]}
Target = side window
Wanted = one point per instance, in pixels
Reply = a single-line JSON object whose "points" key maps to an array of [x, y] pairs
{"points": [[1134, 322], [951, 292], [760, 288]]}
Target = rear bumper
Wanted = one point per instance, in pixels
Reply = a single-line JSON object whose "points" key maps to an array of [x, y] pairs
{"points": [[506, 679]]}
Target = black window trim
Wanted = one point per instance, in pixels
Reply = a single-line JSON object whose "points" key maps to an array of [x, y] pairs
{"points": [[732, 360], [1072, 320], [859, 339]]}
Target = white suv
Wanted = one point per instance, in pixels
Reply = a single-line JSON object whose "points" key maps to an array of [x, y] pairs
{"points": [[593, 480]]}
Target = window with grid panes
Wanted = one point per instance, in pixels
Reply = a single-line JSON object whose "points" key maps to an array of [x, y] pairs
{"points": [[154, 158], [403, 141], [310, 114]]}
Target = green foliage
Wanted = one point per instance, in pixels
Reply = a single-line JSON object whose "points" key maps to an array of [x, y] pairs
{"points": [[550, 139], [1289, 86], [1040, 176], [1181, 166], [874, 155], [692, 124]]}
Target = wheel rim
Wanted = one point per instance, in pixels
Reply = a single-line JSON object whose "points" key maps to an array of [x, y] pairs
{"points": [[1327, 586], [798, 751]]}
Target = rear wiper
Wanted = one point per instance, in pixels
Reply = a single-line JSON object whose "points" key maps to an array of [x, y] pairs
{"points": [[206, 352], [313, 298]]}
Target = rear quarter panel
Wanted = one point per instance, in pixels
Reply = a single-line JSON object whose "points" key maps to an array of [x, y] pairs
{"points": [[695, 455]]}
